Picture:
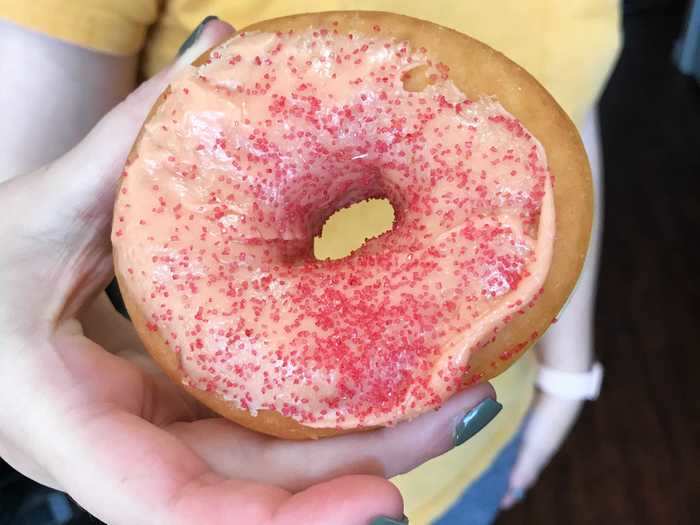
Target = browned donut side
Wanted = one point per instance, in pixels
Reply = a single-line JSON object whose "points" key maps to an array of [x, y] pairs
{"points": [[478, 71]]}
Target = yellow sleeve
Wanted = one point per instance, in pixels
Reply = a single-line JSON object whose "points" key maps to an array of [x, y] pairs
{"points": [[568, 45], [115, 27]]}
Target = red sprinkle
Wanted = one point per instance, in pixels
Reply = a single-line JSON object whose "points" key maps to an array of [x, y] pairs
{"points": [[229, 277]]}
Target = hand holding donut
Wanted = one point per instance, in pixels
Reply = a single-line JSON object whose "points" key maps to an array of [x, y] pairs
{"points": [[248, 152], [87, 414]]}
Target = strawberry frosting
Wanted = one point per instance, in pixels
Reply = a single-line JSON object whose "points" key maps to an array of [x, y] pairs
{"points": [[236, 173]]}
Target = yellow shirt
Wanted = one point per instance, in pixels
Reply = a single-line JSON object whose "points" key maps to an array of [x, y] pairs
{"points": [[568, 45]]}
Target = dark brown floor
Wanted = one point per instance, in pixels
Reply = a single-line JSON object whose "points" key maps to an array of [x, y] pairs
{"points": [[634, 457]]}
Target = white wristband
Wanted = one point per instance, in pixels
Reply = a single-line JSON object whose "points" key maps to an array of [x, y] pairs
{"points": [[571, 385]]}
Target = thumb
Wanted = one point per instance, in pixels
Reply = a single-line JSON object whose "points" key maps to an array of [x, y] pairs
{"points": [[96, 163], [384, 452], [57, 219]]}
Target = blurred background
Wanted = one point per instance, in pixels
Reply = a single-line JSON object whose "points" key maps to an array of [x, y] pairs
{"points": [[634, 455]]}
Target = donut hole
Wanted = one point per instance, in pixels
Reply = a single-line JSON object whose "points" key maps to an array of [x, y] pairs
{"points": [[349, 228], [415, 79]]}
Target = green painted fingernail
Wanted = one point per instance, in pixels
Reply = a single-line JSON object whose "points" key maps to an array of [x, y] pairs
{"points": [[383, 520], [195, 35], [476, 419]]}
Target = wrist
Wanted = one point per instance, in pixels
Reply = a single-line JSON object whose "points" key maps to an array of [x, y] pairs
{"points": [[579, 364]]}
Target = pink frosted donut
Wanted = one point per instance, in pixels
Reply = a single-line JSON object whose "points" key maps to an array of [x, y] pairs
{"points": [[250, 151]]}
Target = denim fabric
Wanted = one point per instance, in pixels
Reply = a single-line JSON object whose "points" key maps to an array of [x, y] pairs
{"points": [[480, 502], [687, 50]]}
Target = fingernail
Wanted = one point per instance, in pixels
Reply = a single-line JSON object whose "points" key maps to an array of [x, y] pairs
{"points": [[383, 520], [517, 495], [476, 419], [195, 34]]}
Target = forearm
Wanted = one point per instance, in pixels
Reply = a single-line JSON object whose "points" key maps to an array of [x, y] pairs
{"points": [[51, 95], [569, 344]]}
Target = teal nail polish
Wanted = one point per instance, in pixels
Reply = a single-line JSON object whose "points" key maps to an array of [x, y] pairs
{"points": [[476, 419], [195, 35], [383, 520]]}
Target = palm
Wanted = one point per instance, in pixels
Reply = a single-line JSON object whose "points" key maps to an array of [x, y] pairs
{"points": [[135, 426], [155, 445], [132, 448], [129, 379]]}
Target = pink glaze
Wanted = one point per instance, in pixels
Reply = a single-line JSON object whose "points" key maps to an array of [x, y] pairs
{"points": [[240, 167]]}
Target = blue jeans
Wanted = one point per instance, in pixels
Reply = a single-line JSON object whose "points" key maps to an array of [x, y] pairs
{"points": [[480, 502]]}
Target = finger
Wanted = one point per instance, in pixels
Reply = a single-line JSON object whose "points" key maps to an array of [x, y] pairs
{"points": [[26, 465], [98, 160], [91, 169], [227, 448], [512, 497], [127, 471], [131, 473], [130, 381], [105, 326], [525, 472], [88, 174], [102, 324], [71, 200], [338, 500]]}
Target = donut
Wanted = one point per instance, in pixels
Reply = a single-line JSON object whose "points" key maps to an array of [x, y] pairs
{"points": [[246, 155]]}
